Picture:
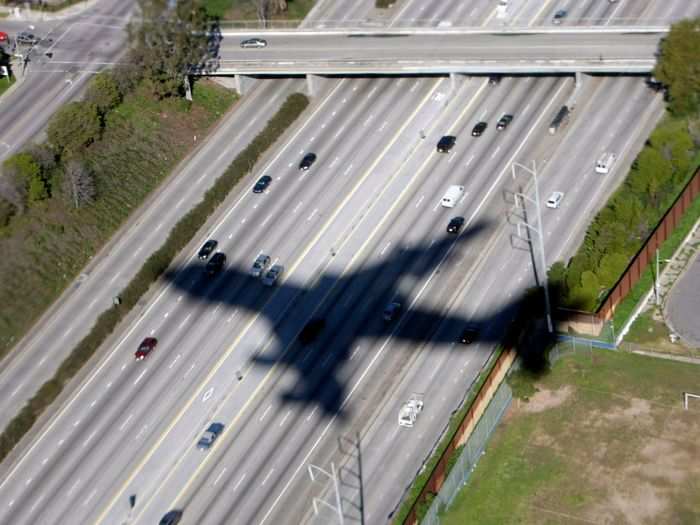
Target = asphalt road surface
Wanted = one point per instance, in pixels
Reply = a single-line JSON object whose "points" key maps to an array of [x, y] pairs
{"points": [[362, 227], [683, 304]]}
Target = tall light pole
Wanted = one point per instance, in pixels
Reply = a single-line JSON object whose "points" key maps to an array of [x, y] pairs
{"points": [[333, 476], [540, 234]]}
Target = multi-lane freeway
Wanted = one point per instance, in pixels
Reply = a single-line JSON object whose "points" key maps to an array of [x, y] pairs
{"points": [[362, 227], [429, 52]]}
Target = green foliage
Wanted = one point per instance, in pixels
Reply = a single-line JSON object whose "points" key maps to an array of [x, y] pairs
{"points": [[23, 167], [169, 43], [152, 269], [677, 68], [611, 267], [74, 126], [103, 91], [383, 4]]}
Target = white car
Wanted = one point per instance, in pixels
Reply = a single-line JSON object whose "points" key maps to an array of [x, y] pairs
{"points": [[272, 275], [254, 43], [555, 199]]}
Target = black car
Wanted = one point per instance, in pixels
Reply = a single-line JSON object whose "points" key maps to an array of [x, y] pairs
{"points": [[446, 143], [455, 225], [494, 80], [307, 161], [479, 129], [207, 248], [171, 518], [559, 16], [311, 330], [262, 184], [216, 263], [468, 335], [504, 121]]}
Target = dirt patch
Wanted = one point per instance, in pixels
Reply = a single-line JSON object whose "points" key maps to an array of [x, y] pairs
{"points": [[638, 410], [547, 399]]}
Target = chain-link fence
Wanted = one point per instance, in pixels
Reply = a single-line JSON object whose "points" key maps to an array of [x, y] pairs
{"points": [[471, 452]]}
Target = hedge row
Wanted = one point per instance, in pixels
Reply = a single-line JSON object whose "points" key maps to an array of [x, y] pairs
{"points": [[153, 268]]}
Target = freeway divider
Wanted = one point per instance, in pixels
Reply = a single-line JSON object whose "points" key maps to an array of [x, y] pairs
{"points": [[181, 234]]}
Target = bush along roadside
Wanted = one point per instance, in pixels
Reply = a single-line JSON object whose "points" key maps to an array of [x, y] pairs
{"points": [[153, 268]]}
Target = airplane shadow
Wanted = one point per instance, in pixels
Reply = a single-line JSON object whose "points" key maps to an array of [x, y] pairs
{"points": [[318, 346]]}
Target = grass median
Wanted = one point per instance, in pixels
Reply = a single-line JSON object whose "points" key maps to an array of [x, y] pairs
{"points": [[181, 234]]}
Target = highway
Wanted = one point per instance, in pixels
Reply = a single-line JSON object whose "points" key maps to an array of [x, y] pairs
{"points": [[404, 52], [360, 228]]}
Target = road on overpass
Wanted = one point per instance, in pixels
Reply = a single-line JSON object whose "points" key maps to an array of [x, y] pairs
{"points": [[401, 52]]}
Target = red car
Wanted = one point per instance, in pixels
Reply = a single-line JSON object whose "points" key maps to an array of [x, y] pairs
{"points": [[145, 348], [3, 38]]}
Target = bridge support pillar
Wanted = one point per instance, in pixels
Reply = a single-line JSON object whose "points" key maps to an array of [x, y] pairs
{"points": [[455, 82], [314, 84], [243, 84]]}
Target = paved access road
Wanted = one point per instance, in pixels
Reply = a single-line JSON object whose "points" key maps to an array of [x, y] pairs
{"points": [[358, 229], [382, 51]]}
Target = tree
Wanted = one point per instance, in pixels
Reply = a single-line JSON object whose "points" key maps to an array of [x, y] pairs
{"points": [[679, 56], [103, 91], [23, 169], [78, 184], [611, 267], [170, 43], [74, 126], [12, 192]]}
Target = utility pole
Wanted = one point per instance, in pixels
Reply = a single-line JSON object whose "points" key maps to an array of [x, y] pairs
{"points": [[333, 476], [540, 235]]}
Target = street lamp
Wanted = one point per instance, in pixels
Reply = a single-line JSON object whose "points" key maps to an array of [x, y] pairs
{"points": [[540, 234]]}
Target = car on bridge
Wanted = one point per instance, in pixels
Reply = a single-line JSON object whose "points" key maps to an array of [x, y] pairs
{"points": [[206, 249], [259, 265], [504, 121], [559, 16], [272, 275], [254, 43], [455, 225], [262, 184], [216, 264], [307, 161]]}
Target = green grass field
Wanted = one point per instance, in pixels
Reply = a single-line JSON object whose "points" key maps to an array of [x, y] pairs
{"points": [[5, 83], [604, 439], [245, 9]]}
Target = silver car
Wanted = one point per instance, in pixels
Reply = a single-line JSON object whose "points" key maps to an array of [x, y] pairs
{"points": [[26, 38], [272, 275], [260, 264], [254, 43]]}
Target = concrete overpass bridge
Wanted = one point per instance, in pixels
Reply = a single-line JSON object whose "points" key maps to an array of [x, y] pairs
{"points": [[439, 51]]}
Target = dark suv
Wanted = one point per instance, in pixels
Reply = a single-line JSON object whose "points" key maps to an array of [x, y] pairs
{"points": [[455, 225], [446, 143], [307, 161], [479, 129], [216, 263], [504, 121], [468, 335], [262, 184], [206, 249]]}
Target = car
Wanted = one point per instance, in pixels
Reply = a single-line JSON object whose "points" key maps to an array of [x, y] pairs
{"points": [[210, 435], [262, 262], [262, 184], [216, 263], [311, 330], [26, 38], [504, 121], [479, 129], [307, 161], [4, 38], [392, 311], [494, 80], [145, 348], [171, 518], [206, 249], [455, 225], [555, 199], [469, 335], [446, 143], [253, 43], [559, 16], [272, 275]]}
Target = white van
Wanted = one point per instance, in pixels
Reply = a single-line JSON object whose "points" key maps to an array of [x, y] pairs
{"points": [[605, 163], [452, 196], [555, 199]]}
